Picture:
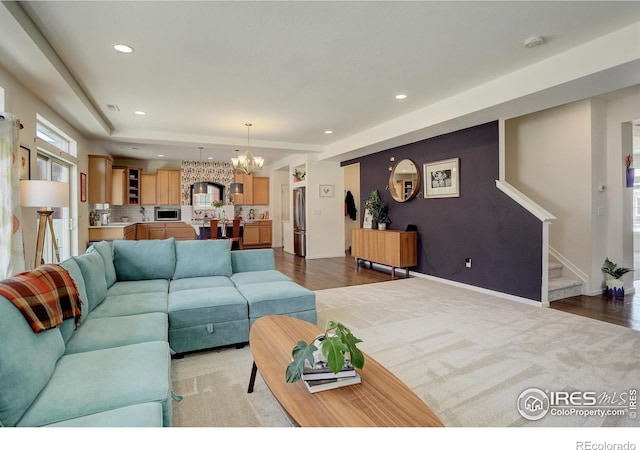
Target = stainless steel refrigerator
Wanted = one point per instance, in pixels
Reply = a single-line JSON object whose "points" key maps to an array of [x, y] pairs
{"points": [[299, 222]]}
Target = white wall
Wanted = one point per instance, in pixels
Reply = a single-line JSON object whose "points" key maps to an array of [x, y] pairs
{"points": [[548, 158], [22, 103]]}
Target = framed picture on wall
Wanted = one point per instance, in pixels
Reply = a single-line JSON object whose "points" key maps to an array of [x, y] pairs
{"points": [[24, 163], [442, 178], [326, 190]]}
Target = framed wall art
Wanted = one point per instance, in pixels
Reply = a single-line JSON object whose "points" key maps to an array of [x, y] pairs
{"points": [[442, 178], [326, 190], [24, 163]]}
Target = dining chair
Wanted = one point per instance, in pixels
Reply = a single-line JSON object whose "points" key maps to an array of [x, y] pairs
{"points": [[213, 231], [235, 235]]}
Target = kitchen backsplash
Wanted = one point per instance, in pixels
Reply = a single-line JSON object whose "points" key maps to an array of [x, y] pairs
{"points": [[134, 213]]}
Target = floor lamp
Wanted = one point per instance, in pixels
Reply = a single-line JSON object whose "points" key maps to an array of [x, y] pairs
{"points": [[44, 195]]}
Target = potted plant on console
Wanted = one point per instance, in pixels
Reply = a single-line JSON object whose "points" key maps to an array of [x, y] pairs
{"points": [[378, 210], [614, 273]]}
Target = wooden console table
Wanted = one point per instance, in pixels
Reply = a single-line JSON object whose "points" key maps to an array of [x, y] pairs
{"points": [[398, 249]]}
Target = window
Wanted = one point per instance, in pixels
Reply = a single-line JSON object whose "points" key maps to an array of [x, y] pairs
{"points": [[215, 192], [50, 134]]}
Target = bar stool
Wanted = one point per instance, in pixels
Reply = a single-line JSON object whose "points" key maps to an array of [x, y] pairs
{"points": [[213, 231], [235, 235]]}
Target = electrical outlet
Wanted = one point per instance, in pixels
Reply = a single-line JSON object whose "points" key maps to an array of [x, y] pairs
{"points": [[467, 263]]}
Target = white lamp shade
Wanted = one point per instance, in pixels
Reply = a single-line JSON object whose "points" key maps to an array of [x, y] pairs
{"points": [[44, 194]]}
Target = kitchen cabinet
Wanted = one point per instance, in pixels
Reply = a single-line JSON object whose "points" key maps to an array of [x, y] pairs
{"points": [[255, 190], [257, 234], [168, 187], [181, 231], [260, 190], [118, 187], [112, 233], [148, 182], [99, 182], [132, 184], [398, 249]]}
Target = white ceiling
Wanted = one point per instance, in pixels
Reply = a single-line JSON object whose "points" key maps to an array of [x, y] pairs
{"points": [[202, 69]]}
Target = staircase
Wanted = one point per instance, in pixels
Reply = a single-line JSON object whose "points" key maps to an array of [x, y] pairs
{"points": [[560, 286]]}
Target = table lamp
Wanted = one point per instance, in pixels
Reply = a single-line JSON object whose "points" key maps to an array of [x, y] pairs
{"points": [[44, 195]]}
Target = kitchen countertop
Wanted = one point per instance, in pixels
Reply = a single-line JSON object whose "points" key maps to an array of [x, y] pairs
{"points": [[195, 223]]}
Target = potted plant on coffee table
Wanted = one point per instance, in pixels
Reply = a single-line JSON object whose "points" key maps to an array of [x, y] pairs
{"points": [[335, 342], [613, 279]]}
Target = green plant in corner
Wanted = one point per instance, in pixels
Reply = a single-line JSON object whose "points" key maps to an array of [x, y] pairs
{"points": [[613, 270], [337, 341]]}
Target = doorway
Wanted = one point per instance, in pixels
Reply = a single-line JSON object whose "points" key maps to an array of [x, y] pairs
{"points": [[351, 175]]}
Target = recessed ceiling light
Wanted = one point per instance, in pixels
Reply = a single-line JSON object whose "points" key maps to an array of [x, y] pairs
{"points": [[401, 96], [328, 132], [160, 156], [210, 157], [122, 48], [141, 113]]}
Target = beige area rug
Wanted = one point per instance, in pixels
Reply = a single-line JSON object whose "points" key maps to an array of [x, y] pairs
{"points": [[468, 355]]}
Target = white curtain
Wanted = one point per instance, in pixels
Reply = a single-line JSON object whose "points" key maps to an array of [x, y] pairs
{"points": [[11, 246]]}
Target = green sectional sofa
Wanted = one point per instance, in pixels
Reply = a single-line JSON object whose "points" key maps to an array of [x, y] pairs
{"points": [[143, 301]]}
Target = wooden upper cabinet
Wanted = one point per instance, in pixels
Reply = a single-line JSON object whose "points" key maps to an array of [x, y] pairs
{"points": [[255, 190], [246, 198], [118, 186], [168, 187], [99, 182], [148, 189], [260, 190]]}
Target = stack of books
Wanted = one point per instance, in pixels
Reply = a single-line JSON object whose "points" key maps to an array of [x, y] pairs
{"points": [[320, 377]]}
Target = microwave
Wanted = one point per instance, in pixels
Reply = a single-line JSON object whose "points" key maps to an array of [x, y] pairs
{"points": [[166, 214]]}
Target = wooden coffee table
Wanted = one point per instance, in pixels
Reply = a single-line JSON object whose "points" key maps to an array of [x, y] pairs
{"points": [[381, 400]]}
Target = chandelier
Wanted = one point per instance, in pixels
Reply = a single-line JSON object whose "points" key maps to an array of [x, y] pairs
{"points": [[247, 162]]}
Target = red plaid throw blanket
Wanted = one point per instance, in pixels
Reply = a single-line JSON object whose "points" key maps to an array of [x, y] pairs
{"points": [[45, 296]]}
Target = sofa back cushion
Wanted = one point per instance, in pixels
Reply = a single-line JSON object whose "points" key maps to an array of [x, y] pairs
{"points": [[92, 268], [253, 260], [104, 249], [206, 258], [68, 326], [27, 361], [144, 260]]}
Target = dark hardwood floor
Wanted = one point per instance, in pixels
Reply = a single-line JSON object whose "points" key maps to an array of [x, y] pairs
{"points": [[327, 273]]}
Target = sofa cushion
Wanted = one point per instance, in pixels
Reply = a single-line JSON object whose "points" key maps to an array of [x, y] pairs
{"points": [[27, 361], [199, 283], [258, 276], [126, 305], [140, 415], [144, 260], [278, 297], [252, 260], [109, 332], [202, 258], [104, 250], [138, 287], [102, 380], [202, 306], [69, 325], [92, 268]]}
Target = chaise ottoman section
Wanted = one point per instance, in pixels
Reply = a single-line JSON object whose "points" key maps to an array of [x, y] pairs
{"points": [[207, 318], [279, 297]]}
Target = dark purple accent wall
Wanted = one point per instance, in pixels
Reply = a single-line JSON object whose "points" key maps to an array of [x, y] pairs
{"points": [[503, 240]]}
